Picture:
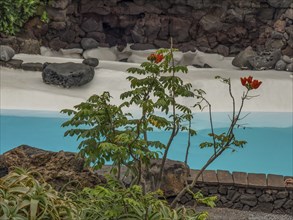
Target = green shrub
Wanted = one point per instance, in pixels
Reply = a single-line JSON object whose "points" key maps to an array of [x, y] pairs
{"points": [[22, 197], [15, 13], [114, 201]]}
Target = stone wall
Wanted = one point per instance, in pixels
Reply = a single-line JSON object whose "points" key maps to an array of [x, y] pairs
{"points": [[255, 192], [221, 26]]}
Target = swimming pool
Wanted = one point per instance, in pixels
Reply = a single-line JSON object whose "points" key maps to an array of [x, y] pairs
{"points": [[269, 137]]}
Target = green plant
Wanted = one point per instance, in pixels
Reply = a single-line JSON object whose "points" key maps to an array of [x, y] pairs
{"points": [[23, 197], [114, 201], [109, 134], [15, 13], [44, 17], [225, 141]]}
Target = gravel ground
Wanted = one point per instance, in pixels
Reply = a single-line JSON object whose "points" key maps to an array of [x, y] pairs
{"points": [[232, 214]]}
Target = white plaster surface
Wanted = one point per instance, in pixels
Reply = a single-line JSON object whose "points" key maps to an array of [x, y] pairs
{"points": [[25, 90]]}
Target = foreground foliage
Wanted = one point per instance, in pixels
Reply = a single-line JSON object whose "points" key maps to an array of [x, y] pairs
{"points": [[22, 197], [114, 201]]}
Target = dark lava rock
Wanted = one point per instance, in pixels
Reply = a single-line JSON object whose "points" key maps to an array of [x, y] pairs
{"points": [[89, 43], [32, 66], [57, 44], [139, 46], [280, 65], [204, 66], [207, 66], [174, 179], [6, 53], [248, 199], [60, 169], [29, 46], [60, 4], [124, 60], [3, 167], [289, 67], [67, 74], [280, 3], [241, 60], [265, 60], [94, 62], [13, 63]]}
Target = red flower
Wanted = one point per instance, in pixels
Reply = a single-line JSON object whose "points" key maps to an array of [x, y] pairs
{"points": [[243, 81], [250, 83], [157, 58], [255, 84], [249, 80]]}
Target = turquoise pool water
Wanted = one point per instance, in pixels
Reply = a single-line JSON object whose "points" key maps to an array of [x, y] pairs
{"points": [[269, 149]]}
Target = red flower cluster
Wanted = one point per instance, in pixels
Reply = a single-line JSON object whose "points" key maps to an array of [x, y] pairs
{"points": [[250, 83], [157, 58]]}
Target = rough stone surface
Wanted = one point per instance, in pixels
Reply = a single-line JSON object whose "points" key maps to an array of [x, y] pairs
{"points": [[139, 46], [279, 203], [175, 176], [29, 46], [57, 168], [273, 197], [91, 25], [248, 199], [60, 4], [211, 23], [282, 194], [287, 59], [57, 44], [89, 43], [264, 207], [13, 63], [32, 66], [288, 204], [223, 50], [67, 74], [280, 3], [241, 60], [94, 62], [265, 198], [289, 67], [280, 65], [56, 14], [6, 53], [226, 27], [265, 60]]}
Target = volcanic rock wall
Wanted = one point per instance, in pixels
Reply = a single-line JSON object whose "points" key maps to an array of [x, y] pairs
{"points": [[220, 26], [248, 192]]}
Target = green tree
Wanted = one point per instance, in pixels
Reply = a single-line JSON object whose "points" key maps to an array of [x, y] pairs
{"points": [[110, 134]]}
